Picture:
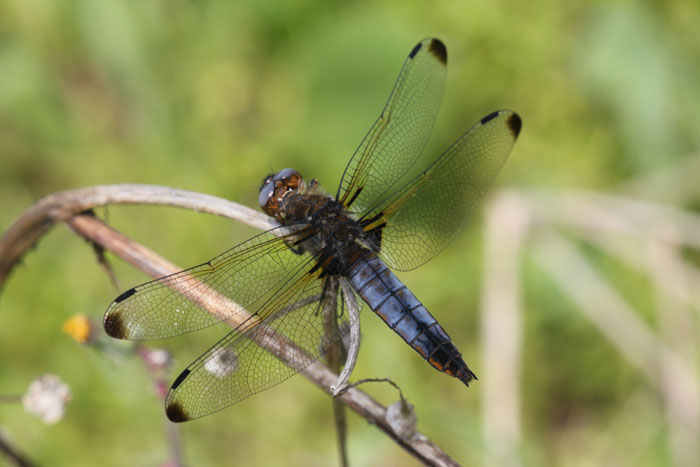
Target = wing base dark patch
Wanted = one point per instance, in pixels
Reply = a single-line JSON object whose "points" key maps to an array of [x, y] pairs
{"points": [[176, 413], [515, 124], [439, 51], [114, 326]]}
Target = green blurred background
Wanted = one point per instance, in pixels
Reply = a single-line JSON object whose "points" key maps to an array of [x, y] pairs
{"points": [[212, 95]]}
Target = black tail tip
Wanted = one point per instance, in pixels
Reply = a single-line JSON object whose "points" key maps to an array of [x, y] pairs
{"points": [[467, 377]]}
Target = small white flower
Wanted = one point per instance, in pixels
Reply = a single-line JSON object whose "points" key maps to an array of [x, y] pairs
{"points": [[160, 357], [157, 359], [222, 363], [46, 398]]}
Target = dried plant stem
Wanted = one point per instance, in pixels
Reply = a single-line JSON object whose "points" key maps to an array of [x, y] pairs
{"points": [[354, 347], [629, 252], [625, 228], [334, 357], [610, 214], [507, 223], [615, 319], [59, 207], [172, 432], [11, 453], [677, 329], [341, 431], [373, 380]]}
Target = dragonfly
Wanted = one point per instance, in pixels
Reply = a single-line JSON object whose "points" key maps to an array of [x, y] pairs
{"points": [[282, 288]]}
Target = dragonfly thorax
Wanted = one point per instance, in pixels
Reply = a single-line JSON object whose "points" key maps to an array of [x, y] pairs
{"points": [[333, 232]]}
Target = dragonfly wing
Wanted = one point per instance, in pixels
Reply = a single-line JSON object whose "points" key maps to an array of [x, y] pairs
{"points": [[421, 218], [286, 334], [400, 133], [218, 290]]}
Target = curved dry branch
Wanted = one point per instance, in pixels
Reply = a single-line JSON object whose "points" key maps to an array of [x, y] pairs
{"points": [[68, 206], [25, 232], [12, 454]]}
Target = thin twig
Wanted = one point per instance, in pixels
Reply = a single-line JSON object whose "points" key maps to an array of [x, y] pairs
{"points": [[4, 398], [155, 370], [372, 380], [354, 347], [341, 430], [12, 454], [334, 357], [172, 432], [400, 415]]}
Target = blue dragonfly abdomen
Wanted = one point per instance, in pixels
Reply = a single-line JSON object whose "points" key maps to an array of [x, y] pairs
{"points": [[387, 296]]}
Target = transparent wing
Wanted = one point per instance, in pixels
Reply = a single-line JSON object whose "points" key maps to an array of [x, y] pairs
{"points": [[421, 218], [400, 133], [218, 290], [286, 334]]}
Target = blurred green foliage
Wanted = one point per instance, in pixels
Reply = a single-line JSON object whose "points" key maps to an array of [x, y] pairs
{"points": [[211, 95]]}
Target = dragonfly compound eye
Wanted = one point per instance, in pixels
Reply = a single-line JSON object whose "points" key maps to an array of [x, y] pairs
{"points": [[276, 187], [288, 179]]}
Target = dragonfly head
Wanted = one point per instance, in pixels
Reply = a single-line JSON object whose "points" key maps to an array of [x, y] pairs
{"points": [[275, 187]]}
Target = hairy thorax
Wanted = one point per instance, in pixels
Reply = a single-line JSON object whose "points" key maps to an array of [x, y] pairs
{"points": [[338, 237]]}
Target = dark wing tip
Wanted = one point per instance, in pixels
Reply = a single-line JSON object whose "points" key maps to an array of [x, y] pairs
{"points": [[439, 51], [114, 325], [515, 124], [176, 413]]}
